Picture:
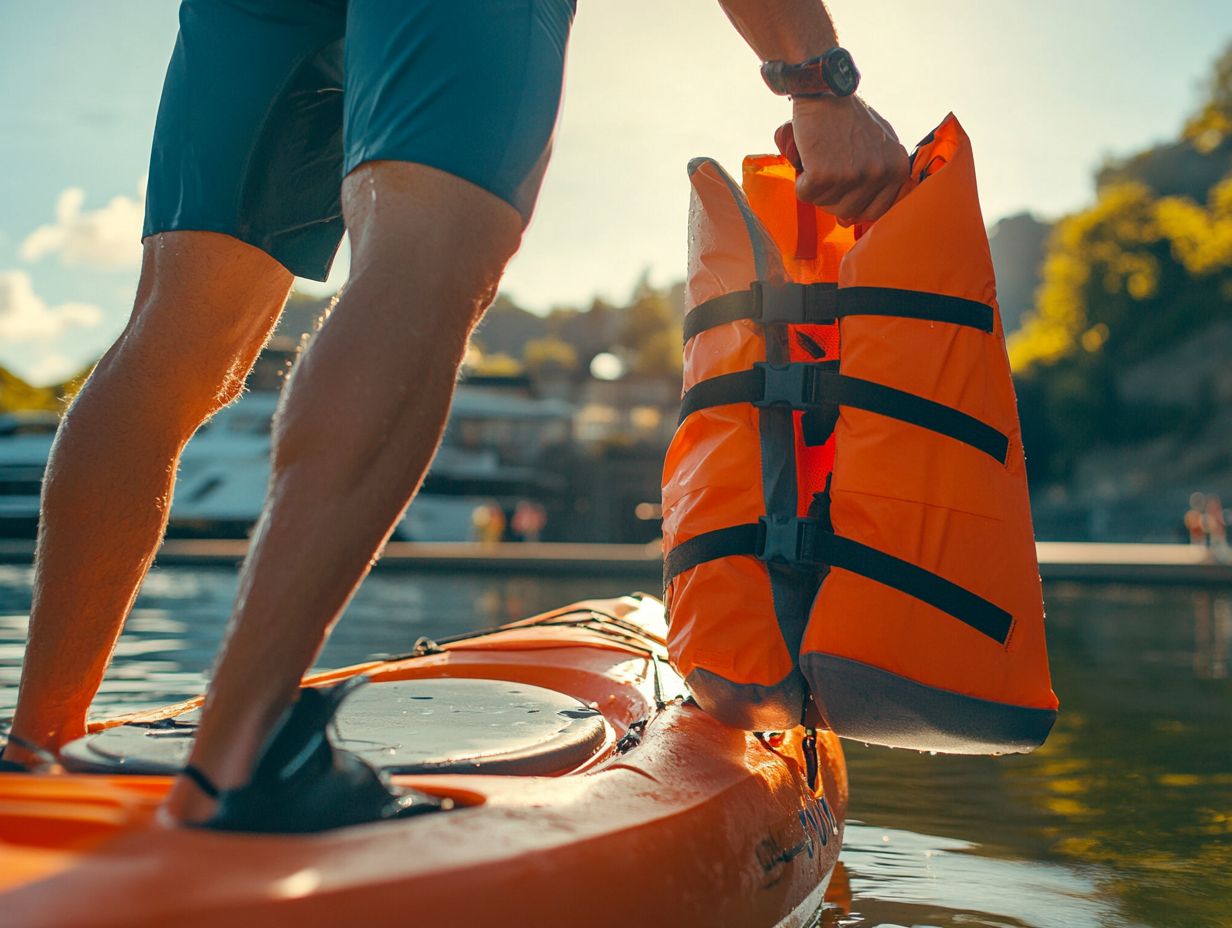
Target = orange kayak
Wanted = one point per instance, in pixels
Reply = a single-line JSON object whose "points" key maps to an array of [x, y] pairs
{"points": [[593, 792]]}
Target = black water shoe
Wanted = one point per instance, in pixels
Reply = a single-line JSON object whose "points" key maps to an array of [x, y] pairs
{"points": [[11, 766], [303, 783]]}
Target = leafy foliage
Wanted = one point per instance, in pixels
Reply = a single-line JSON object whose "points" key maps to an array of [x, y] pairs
{"points": [[652, 334], [646, 333], [17, 395], [1212, 124], [545, 355], [1132, 275]]}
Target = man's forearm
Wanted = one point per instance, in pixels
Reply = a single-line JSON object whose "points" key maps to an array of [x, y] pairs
{"points": [[783, 30]]}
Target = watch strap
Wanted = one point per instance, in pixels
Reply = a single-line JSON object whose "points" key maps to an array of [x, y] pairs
{"points": [[832, 73]]}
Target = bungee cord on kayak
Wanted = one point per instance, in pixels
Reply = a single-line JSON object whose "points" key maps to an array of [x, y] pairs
{"points": [[551, 755]]}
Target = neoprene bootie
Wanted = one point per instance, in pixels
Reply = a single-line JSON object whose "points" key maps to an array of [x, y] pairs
{"points": [[303, 783]]}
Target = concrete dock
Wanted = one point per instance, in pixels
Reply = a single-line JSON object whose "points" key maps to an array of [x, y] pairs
{"points": [[1074, 561]]}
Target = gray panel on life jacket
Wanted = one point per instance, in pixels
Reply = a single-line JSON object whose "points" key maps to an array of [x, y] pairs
{"points": [[408, 726]]}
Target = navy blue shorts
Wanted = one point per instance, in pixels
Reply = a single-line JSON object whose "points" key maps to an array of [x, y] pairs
{"points": [[268, 104]]}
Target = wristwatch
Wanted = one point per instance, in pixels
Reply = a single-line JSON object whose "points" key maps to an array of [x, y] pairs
{"points": [[830, 74]]}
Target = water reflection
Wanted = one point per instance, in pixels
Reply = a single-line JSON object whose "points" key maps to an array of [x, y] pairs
{"points": [[1134, 784], [1124, 818], [897, 877], [1212, 634], [173, 633]]}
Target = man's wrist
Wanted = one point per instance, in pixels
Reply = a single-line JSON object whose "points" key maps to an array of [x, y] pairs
{"points": [[827, 103], [832, 73]]}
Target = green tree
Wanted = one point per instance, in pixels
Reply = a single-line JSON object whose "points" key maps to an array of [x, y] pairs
{"points": [[660, 356], [16, 394], [1148, 265], [1122, 280], [549, 355], [497, 365], [652, 333], [1130, 275], [1212, 124]]}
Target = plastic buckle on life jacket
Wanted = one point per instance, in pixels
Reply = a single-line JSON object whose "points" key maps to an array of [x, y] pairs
{"points": [[792, 303], [787, 539], [778, 302], [792, 385]]}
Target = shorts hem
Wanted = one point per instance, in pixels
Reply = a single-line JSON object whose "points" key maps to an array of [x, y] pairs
{"points": [[311, 269], [439, 164]]}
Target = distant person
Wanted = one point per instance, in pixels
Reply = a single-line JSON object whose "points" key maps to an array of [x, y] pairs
{"points": [[529, 519], [1195, 526], [424, 128], [489, 522], [1216, 526]]}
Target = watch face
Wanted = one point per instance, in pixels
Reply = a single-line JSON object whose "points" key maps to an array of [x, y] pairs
{"points": [[840, 72]]}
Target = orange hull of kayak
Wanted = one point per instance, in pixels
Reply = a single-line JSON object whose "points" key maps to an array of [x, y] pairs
{"points": [[695, 824]]}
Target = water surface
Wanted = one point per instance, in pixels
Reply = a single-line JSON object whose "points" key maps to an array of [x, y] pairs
{"points": [[1124, 818]]}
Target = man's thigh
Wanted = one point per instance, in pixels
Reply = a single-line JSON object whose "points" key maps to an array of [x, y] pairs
{"points": [[248, 141], [472, 89]]}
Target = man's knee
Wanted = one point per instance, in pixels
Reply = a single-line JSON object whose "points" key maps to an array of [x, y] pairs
{"points": [[428, 230], [205, 306], [133, 390]]}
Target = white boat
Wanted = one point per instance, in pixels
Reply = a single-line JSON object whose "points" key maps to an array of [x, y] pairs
{"points": [[485, 465], [25, 442]]}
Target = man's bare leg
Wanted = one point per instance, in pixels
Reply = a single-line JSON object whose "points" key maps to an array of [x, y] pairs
{"points": [[360, 421], [205, 305]]}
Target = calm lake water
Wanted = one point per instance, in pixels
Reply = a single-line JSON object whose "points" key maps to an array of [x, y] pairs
{"points": [[1124, 818]]}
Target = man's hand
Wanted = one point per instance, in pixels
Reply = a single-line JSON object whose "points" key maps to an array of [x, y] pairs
{"points": [[850, 161]]}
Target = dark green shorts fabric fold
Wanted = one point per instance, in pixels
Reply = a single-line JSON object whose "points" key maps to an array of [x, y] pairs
{"points": [[268, 104]]}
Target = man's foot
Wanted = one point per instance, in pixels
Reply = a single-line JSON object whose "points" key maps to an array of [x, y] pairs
{"points": [[302, 783], [29, 757]]}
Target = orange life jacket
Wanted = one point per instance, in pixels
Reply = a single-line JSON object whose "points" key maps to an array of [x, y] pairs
{"points": [[845, 507]]}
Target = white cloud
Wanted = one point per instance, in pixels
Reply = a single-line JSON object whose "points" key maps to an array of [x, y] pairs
{"points": [[25, 316], [51, 367], [108, 238]]}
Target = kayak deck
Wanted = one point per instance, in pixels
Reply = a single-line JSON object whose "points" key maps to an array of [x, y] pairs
{"points": [[670, 813]]}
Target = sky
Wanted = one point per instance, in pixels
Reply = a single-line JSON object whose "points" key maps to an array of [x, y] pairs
{"points": [[1046, 90]]}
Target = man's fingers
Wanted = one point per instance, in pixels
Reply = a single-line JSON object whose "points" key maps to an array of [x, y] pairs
{"points": [[881, 204], [785, 140], [855, 195], [817, 188], [825, 189], [893, 187], [830, 182], [846, 199], [853, 163], [852, 207]]}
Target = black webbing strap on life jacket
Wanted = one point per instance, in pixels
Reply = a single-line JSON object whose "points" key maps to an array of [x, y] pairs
{"points": [[824, 303], [927, 414], [764, 384], [819, 387], [806, 541]]}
